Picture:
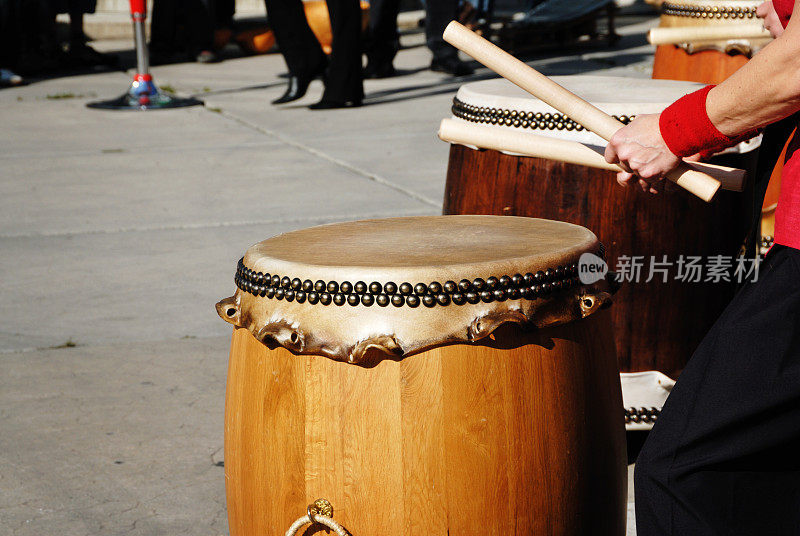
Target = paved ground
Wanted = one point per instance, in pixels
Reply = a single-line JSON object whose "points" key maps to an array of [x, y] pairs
{"points": [[120, 231]]}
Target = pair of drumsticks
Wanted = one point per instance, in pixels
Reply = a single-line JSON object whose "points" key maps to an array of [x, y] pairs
{"points": [[703, 180]]}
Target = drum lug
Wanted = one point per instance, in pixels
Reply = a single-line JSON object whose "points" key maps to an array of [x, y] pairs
{"points": [[592, 302], [229, 309]]}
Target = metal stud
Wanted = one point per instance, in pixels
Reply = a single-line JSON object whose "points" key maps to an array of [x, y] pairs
{"points": [[297, 284], [286, 282], [346, 287], [420, 289], [390, 288], [499, 294], [382, 300], [308, 285], [339, 298], [279, 292], [458, 298], [514, 293], [412, 301], [406, 289], [464, 285], [313, 297], [398, 300], [353, 299], [479, 284], [472, 297], [428, 300], [435, 288], [300, 296], [271, 292], [486, 296], [289, 295], [320, 286], [450, 287], [375, 287], [325, 298], [276, 280], [443, 299], [360, 287], [332, 287]]}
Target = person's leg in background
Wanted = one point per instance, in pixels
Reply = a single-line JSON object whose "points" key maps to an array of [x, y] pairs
{"points": [[81, 54], [344, 80], [201, 16], [9, 43], [300, 49], [723, 456], [438, 14], [383, 40]]}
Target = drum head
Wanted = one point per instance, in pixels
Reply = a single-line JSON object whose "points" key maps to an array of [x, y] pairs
{"points": [[411, 283]]}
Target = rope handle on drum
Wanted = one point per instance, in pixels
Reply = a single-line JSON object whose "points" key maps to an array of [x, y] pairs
{"points": [[320, 512]]}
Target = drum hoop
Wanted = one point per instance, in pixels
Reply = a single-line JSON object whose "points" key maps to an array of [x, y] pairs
{"points": [[520, 119], [466, 291]]}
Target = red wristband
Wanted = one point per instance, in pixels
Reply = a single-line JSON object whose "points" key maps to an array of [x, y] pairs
{"points": [[686, 128]]}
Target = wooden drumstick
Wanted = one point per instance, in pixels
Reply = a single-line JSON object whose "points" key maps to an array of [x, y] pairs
{"points": [[693, 34], [572, 152], [563, 100]]}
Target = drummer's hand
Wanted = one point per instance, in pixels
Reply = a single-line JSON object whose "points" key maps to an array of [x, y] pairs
{"points": [[772, 23], [640, 150]]}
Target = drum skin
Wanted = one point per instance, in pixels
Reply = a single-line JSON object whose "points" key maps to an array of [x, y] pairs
{"points": [[707, 66], [520, 433], [657, 326]]}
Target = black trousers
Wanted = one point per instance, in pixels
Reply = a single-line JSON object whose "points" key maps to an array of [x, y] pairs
{"points": [[182, 26], [383, 41], [724, 456], [10, 23], [303, 54]]}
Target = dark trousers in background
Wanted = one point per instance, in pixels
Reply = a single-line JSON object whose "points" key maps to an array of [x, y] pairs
{"points": [[724, 456], [182, 26], [383, 39], [303, 53], [10, 24]]}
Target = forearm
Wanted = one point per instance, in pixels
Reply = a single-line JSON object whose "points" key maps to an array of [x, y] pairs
{"points": [[764, 90]]}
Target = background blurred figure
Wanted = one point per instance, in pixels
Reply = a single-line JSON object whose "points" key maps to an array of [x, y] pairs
{"points": [[383, 40], [306, 60], [9, 43], [79, 53], [183, 30]]}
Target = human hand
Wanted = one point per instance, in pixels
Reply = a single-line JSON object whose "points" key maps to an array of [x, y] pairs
{"points": [[772, 23], [640, 151]]}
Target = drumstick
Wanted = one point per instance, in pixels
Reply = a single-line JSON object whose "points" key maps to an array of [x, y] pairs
{"points": [[572, 152], [692, 34], [566, 102]]}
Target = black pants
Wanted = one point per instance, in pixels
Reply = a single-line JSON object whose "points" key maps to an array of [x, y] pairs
{"points": [[724, 456], [303, 54], [185, 26], [10, 23], [383, 42]]}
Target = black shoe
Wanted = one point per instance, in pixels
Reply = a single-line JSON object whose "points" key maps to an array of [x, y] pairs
{"points": [[298, 85], [451, 65], [332, 105], [382, 70]]}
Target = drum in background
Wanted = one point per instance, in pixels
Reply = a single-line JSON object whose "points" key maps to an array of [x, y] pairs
{"points": [[427, 376], [707, 62], [656, 325]]}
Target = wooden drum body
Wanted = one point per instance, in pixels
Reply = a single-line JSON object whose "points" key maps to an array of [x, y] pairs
{"points": [[708, 62], [657, 325], [506, 424]]}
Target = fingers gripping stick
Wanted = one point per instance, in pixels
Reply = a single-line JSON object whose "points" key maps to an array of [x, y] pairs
{"points": [[566, 102]]}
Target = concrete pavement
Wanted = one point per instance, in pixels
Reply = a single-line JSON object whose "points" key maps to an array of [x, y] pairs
{"points": [[120, 231]]}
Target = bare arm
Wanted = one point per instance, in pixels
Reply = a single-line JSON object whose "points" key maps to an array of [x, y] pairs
{"points": [[764, 90]]}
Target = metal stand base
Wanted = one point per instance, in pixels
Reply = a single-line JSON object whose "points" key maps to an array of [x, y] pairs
{"points": [[145, 95]]}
